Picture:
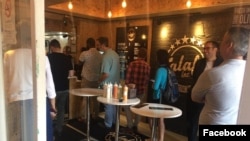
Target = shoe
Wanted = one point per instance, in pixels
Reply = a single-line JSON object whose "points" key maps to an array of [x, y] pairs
{"points": [[102, 125]]}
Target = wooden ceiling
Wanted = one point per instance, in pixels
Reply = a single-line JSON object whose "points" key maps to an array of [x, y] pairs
{"points": [[98, 9]]}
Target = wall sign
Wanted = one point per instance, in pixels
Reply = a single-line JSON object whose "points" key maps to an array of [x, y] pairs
{"points": [[128, 42], [241, 16], [184, 53]]}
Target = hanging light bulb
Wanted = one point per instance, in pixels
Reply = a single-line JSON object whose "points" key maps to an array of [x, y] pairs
{"points": [[109, 14], [124, 4], [70, 5], [189, 3]]}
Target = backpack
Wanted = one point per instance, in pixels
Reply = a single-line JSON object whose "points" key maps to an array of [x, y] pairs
{"points": [[171, 92]]}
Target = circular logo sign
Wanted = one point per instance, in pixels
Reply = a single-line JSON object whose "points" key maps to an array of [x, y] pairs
{"points": [[184, 53]]}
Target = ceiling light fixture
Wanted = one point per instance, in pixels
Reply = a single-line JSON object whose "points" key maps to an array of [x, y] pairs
{"points": [[188, 3], [124, 4], [70, 5], [109, 13]]}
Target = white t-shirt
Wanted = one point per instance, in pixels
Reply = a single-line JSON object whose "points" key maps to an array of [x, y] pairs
{"points": [[220, 90], [18, 74]]}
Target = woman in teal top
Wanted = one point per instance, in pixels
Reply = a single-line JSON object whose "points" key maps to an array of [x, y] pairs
{"points": [[159, 84], [160, 76]]}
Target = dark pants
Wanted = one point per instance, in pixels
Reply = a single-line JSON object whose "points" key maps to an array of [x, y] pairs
{"points": [[193, 113], [61, 100]]}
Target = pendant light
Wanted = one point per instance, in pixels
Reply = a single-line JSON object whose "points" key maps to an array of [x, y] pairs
{"points": [[124, 4], [70, 5], [109, 12], [188, 3]]}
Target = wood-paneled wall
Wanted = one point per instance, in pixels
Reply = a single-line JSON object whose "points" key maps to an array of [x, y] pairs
{"points": [[86, 28]]}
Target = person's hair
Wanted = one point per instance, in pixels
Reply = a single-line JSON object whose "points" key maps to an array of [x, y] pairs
{"points": [[103, 41], [142, 53], [162, 57], [240, 38], [90, 43], [84, 49], [67, 49], [55, 43], [214, 44]]}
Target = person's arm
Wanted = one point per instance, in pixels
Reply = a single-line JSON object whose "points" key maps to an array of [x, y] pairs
{"points": [[50, 87], [103, 77], [71, 69], [157, 83], [128, 74], [200, 88], [106, 64], [53, 104], [81, 59], [71, 73], [158, 78]]}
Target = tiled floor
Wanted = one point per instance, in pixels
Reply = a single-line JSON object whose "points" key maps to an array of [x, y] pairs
{"points": [[145, 129]]}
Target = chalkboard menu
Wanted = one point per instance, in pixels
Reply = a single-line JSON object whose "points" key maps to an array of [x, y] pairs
{"points": [[128, 42]]}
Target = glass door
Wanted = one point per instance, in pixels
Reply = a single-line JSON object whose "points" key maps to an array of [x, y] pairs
{"points": [[23, 109]]}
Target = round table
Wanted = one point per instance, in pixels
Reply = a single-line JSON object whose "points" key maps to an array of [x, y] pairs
{"points": [[156, 111], [87, 92], [118, 103]]}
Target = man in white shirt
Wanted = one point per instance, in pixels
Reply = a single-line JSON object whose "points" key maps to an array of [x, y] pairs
{"points": [[18, 82], [220, 88]]}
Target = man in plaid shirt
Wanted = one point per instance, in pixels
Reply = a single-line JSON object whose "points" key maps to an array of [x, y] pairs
{"points": [[138, 73]]}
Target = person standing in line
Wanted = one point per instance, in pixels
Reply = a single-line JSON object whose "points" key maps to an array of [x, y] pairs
{"points": [[79, 66], [18, 80], [110, 73], [91, 60], [50, 102], [212, 59], [222, 91], [161, 77], [61, 68], [138, 73]]}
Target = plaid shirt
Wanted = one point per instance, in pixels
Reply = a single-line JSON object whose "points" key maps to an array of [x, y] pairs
{"points": [[138, 73]]}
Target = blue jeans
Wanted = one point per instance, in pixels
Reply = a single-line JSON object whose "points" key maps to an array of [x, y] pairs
{"points": [[110, 115], [61, 99], [49, 121]]}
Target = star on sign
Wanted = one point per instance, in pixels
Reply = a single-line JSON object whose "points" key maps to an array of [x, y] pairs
{"points": [[172, 46], [177, 42], [193, 39], [185, 39]]}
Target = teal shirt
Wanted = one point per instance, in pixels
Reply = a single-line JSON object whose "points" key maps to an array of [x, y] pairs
{"points": [[160, 82], [111, 66]]}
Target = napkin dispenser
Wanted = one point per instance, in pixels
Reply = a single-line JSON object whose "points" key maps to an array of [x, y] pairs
{"points": [[131, 93]]}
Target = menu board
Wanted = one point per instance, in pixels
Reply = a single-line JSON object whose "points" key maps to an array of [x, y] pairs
{"points": [[128, 42]]}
